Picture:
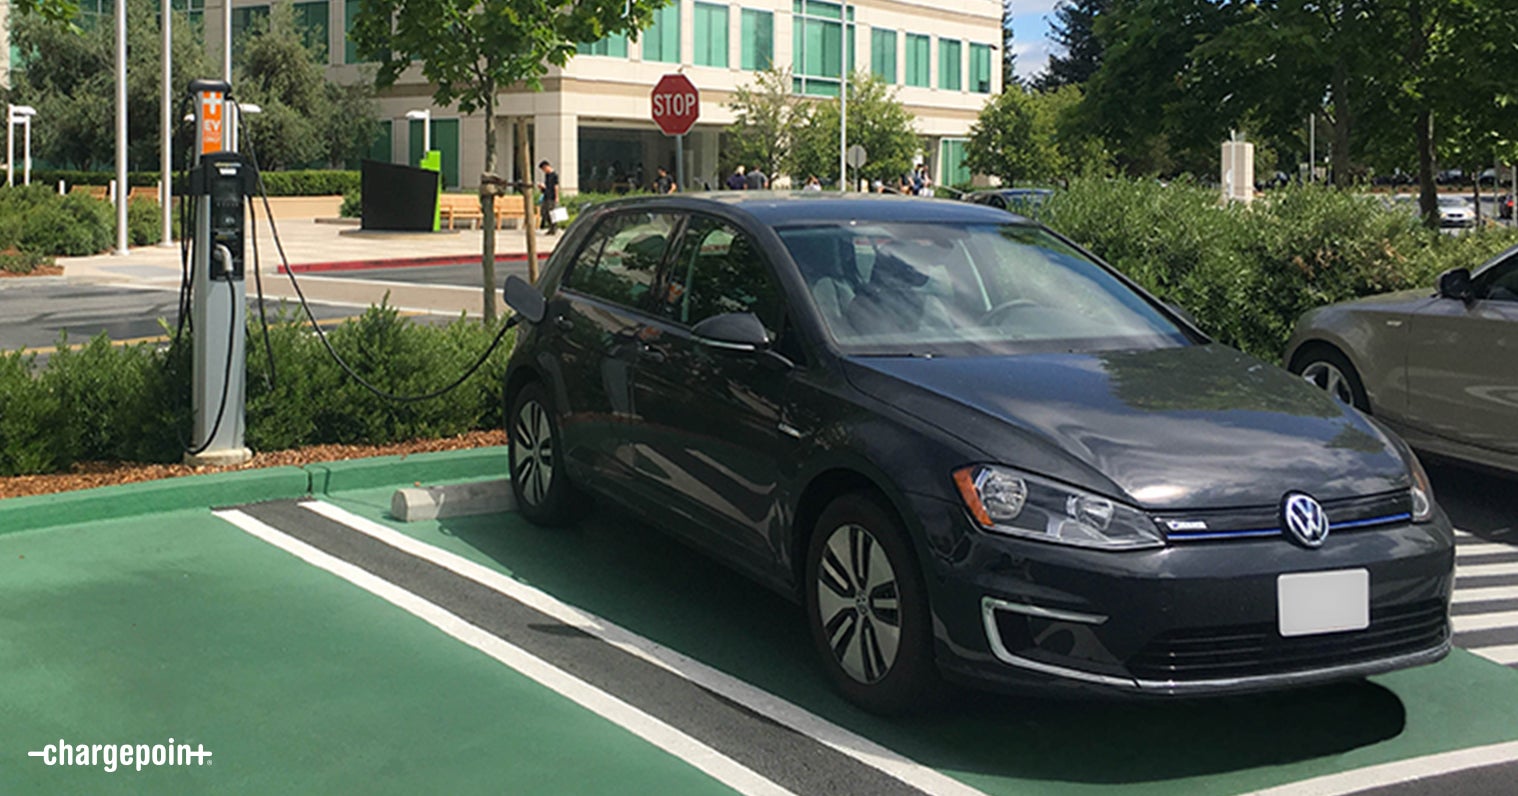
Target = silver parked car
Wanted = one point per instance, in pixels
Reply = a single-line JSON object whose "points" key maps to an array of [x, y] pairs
{"points": [[1440, 369]]}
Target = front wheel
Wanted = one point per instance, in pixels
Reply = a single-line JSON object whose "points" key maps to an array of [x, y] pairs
{"points": [[867, 607], [542, 488], [1329, 370]]}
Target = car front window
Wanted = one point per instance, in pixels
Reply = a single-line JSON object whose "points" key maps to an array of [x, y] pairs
{"points": [[936, 289]]}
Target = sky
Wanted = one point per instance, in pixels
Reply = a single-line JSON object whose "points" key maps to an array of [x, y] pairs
{"points": [[1030, 34]]}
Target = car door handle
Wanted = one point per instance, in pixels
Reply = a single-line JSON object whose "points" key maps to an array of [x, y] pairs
{"points": [[563, 324], [654, 355]]}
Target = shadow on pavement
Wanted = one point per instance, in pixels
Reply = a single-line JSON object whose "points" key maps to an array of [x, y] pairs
{"points": [[655, 586]]}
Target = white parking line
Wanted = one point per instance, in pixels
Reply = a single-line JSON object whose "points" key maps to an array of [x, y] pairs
{"points": [[716, 681], [1479, 570], [715, 764], [1363, 779], [1484, 548], [1507, 654], [1488, 593], [1470, 622]]}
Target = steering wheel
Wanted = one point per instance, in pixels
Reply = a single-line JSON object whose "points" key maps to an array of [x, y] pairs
{"points": [[996, 316]]}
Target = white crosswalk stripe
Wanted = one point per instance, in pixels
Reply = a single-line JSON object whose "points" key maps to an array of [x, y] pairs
{"points": [[1491, 632]]}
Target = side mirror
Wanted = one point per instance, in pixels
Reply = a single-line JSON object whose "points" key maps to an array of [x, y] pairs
{"points": [[1456, 284], [736, 331], [526, 300], [1183, 314]]}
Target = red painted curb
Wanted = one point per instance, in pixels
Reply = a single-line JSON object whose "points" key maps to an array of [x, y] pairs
{"points": [[405, 262]]}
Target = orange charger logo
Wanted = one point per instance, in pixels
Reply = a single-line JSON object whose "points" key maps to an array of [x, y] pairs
{"points": [[210, 121]]}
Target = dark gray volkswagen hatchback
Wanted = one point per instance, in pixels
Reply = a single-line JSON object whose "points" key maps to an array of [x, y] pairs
{"points": [[970, 449]]}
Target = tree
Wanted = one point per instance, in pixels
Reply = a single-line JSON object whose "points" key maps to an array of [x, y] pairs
{"points": [[470, 49], [56, 11], [1033, 135], [766, 114], [877, 121], [1008, 50], [1074, 29], [69, 76], [305, 119]]}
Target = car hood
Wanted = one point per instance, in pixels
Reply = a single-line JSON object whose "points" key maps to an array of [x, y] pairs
{"points": [[1196, 427]]}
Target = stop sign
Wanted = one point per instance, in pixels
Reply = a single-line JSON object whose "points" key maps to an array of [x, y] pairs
{"points": [[676, 103]]}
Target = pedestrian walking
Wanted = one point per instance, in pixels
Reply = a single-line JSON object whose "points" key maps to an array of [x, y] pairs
{"points": [[757, 180], [550, 189], [664, 183], [736, 180]]}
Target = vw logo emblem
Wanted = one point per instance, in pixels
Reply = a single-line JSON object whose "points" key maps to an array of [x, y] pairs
{"points": [[1305, 519]]}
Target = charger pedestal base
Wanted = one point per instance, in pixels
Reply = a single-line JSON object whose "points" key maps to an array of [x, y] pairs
{"points": [[227, 457]]}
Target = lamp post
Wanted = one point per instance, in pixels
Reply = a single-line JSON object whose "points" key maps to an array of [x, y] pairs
{"points": [[166, 130], [22, 115], [425, 117], [843, 98]]}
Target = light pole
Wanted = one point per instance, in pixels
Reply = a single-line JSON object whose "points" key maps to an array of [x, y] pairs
{"points": [[166, 129], [425, 117], [121, 130], [22, 115], [843, 98]]}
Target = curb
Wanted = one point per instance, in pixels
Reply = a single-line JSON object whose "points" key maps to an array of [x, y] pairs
{"points": [[245, 486], [411, 262]]}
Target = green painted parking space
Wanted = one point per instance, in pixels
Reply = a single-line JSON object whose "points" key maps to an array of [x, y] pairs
{"points": [[656, 587], [178, 625]]}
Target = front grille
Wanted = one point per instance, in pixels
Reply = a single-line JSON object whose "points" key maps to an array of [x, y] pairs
{"points": [[1247, 650], [1344, 514]]}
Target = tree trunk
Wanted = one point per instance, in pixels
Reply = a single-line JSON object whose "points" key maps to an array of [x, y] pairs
{"points": [[1428, 194], [525, 179], [487, 206], [1342, 121]]}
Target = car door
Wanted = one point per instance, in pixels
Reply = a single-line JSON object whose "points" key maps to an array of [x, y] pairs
{"points": [[715, 438], [601, 306], [1463, 363]]}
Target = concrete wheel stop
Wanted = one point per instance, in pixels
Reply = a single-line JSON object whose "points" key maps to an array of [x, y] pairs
{"points": [[413, 504]]}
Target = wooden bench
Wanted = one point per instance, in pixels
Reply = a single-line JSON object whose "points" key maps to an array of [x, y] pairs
{"points": [[148, 192], [101, 192], [456, 207]]}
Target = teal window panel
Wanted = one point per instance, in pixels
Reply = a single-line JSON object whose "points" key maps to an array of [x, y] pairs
{"points": [[952, 162], [311, 21], [661, 42], [711, 34], [919, 60], [758, 31], [883, 54], [950, 64], [980, 68]]}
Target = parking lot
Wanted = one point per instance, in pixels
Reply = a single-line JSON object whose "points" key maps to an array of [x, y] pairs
{"points": [[319, 645]]}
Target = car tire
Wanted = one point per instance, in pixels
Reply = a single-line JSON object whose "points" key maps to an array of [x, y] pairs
{"points": [[543, 491], [1328, 369], [867, 608]]}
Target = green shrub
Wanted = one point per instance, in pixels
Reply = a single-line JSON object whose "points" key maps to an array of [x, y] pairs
{"points": [[13, 261], [310, 182], [1247, 272], [574, 203], [353, 205], [145, 222]]}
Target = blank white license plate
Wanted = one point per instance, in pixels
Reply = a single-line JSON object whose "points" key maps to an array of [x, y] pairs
{"points": [[1323, 602]]}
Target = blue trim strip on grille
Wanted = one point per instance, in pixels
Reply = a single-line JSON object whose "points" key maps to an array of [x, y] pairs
{"points": [[1263, 532]]}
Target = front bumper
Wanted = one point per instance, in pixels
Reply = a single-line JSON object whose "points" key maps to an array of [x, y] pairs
{"points": [[1189, 619]]}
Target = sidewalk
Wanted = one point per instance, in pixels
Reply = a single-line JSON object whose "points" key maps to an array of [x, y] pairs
{"points": [[322, 241]]}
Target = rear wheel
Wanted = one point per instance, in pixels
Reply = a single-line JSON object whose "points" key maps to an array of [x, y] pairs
{"points": [[867, 607], [1329, 370], [542, 488]]}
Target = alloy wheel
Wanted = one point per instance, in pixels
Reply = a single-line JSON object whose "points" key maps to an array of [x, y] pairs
{"points": [[858, 603], [1325, 376], [533, 460]]}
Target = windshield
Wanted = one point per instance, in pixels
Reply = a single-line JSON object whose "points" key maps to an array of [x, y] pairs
{"points": [[936, 289]]}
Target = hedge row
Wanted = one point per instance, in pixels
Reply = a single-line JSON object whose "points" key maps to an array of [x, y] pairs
{"points": [[312, 182], [1247, 272], [37, 222], [132, 403]]}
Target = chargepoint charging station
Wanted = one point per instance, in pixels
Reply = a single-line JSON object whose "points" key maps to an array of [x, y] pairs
{"points": [[219, 183]]}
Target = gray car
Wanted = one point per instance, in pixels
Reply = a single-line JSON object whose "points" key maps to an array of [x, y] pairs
{"points": [[1440, 368]]}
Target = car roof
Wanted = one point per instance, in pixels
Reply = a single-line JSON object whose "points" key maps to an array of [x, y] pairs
{"points": [[788, 208]]}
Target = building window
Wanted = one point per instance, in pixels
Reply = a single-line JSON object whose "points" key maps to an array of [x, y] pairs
{"points": [[711, 35], [980, 68], [950, 64], [445, 139], [311, 23], [817, 30], [661, 42], [612, 45], [952, 162], [193, 10], [883, 54], [247, 19], [919, 60], [758, 40]]}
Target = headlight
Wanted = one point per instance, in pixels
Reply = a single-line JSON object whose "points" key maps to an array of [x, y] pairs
{"points": [[1015, 503], [1423, 492]]}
